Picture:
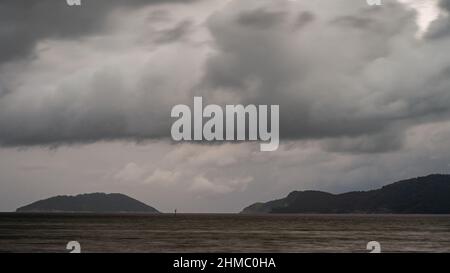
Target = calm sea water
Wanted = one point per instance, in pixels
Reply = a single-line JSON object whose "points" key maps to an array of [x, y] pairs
{"points": [[223, 233]]}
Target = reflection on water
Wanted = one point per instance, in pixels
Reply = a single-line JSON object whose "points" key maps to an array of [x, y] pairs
{"points": [[223, 233]]}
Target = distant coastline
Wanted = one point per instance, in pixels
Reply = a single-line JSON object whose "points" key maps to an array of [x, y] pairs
{"points": [[422, 195], [89, 203]]}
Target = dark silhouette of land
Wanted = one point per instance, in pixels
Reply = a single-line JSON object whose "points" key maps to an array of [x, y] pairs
{"points": [[423, 195], [93, 202]]}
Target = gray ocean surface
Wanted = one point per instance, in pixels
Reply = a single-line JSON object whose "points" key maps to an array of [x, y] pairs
{"points": [[223, 232]]}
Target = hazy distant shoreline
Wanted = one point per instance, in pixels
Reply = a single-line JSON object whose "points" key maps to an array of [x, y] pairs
{"points": [[422, 195], [417, 196]]}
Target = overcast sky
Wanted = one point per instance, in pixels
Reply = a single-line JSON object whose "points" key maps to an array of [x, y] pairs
{"points": [[86, 94]]}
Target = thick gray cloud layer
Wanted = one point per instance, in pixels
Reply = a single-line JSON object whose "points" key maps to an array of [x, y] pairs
{"points": [[360, 74], [73, 89], [351, 75], [24, 22]]}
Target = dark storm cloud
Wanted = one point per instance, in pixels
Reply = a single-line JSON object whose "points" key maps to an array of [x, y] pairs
{"points": [[441, 27], [445, 4], [25, 22], [321, 81], [94, 107], [86, 113]]}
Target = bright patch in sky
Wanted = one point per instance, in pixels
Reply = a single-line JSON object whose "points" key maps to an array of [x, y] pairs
{"points": [[427, 12]]}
